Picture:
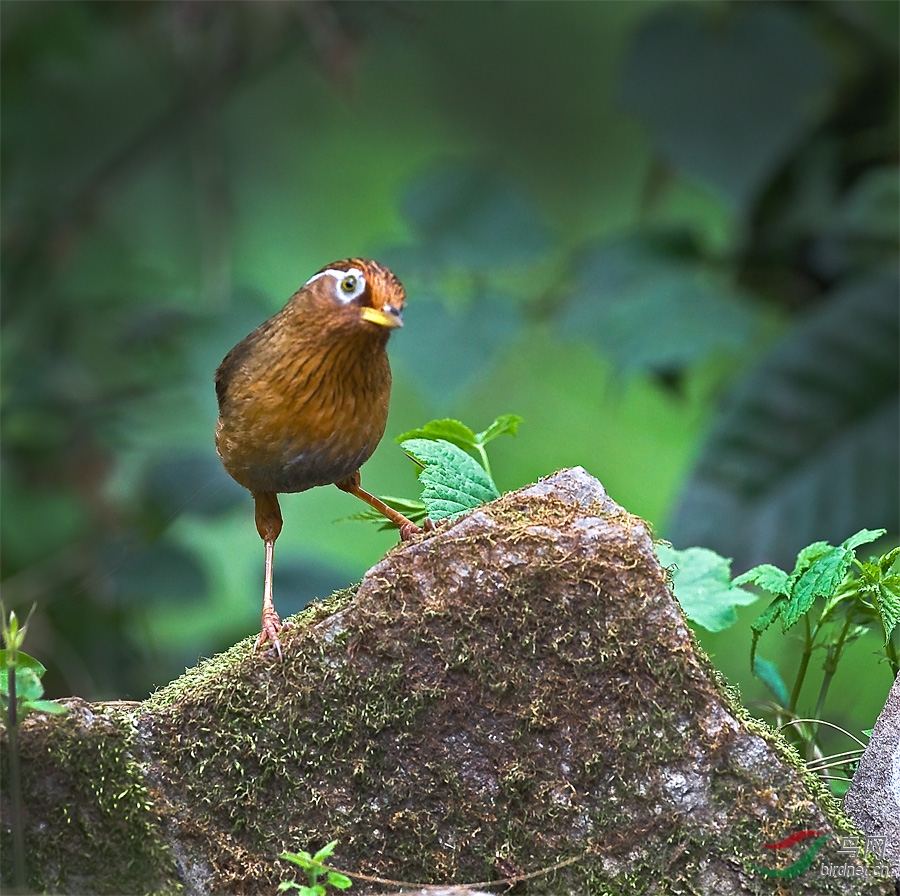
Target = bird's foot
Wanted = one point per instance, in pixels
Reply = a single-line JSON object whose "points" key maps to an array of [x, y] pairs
{"points": [[409, 528], [271, 627]]}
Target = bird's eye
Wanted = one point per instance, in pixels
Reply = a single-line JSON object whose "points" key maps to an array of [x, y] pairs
{"points": [[349, 284]]}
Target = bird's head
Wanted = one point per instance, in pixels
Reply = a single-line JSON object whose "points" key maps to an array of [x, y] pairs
{"points": [[355, 292]]}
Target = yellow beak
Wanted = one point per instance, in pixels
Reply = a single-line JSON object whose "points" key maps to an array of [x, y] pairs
{"points": [[388, 316]]}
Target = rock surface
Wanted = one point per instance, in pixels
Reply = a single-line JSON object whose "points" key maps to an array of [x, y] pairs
{"points": [[873, 800], [515, 696]]}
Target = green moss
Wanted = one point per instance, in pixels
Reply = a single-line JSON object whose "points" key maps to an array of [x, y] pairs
{"points": [[494, 701], [90, 820]]}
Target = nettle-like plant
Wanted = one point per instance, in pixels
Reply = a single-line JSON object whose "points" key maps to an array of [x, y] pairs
{"points": [[319, 877], [453, 468], [834, 595]]}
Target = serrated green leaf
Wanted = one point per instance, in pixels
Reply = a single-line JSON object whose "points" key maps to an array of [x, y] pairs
{"points": [[886, 561], [505, 424], [703, 587], [887, 602], [769, 615], [767, 672], [453, 431], [808, 556], [864, 536], [288, 885], [769, 578], [820, 579], [303, 859], [454, 482]]}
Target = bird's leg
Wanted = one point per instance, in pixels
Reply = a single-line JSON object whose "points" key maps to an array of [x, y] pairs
{"points": [[268, 524], [406, 526]]}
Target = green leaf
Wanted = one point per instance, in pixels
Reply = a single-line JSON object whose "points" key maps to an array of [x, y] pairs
{"points": [[303, 859], [28, 684], [336, 879], [806, 558], [769, 578], [886, 561], [449, 430], [864, 536], [820, 579], [506, 424], [454, 482], [48, 706], [887, 602], [770, 614], [324, 853], [767, 672], [702, 581], [23, 661], [288, 885]]}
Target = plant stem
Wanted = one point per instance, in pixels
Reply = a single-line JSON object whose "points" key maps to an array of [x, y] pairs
{"points": [[484, 460], [15, 784], [893, 657], [801, 671], [830, 668]]}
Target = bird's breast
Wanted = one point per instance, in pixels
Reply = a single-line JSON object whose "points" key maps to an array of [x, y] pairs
{"points": [[311, 421]]}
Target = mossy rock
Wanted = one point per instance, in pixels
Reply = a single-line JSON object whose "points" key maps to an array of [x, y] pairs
{"points": [[517, 694]]}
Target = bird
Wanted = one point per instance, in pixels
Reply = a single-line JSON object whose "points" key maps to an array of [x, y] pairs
{"points": [[303, 400]]}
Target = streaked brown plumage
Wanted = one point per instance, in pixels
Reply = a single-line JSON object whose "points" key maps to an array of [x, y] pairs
{"points": [[303, 400]]}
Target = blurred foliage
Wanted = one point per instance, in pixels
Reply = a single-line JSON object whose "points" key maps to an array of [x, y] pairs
{"points": [[670, 245]]}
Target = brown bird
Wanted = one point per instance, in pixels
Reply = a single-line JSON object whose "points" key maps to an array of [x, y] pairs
{"points": [[303, 400]]}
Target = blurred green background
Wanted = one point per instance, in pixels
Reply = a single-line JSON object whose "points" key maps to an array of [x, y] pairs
{"points": [[666, 234]]}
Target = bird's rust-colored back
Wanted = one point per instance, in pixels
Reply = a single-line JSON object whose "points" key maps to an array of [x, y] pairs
{"points": [[303, 400]]}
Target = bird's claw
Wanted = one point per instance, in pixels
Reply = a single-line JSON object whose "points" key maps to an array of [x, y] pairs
{"points": [[409, 529], [271, 627]]}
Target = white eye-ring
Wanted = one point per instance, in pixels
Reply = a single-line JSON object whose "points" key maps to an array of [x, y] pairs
{"points": [[349, 285]]}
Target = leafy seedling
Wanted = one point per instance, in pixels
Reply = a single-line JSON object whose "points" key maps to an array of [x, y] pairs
{"points": [[20, 694], [852, 597], [453, 468], [462, 436], [318, 875], [454, 482]]}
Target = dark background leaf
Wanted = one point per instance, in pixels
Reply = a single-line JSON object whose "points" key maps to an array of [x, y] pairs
{"points": [[806, 446], [695, 76], [469, 217], [648, 307]]}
